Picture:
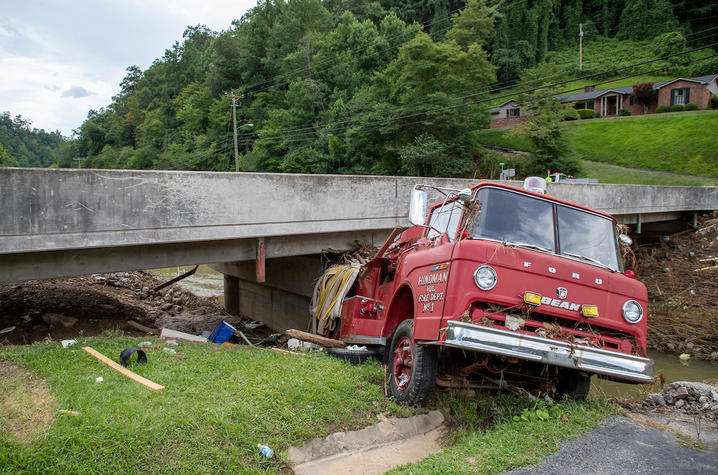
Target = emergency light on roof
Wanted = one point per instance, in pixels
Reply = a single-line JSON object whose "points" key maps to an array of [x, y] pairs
{"points": [[535, 184]]}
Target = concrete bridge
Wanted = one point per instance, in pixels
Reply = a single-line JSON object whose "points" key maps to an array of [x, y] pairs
{"points": [[57, 223]]}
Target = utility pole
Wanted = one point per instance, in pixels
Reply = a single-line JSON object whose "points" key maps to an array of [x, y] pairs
{"points": [[234, 131], [79, 161], [580, 46]]}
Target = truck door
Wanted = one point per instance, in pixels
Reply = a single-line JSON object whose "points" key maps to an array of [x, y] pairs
{"points": [[430, 266]]}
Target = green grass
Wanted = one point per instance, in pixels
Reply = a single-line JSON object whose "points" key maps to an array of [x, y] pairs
{"points": [[629, 176], [685, 142], [682, 142], [220, 402]]}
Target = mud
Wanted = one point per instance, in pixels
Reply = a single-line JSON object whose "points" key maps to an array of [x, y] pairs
{"points": [[40, 310]]}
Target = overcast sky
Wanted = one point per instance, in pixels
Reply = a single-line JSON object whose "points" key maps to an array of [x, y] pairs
{"points": [[61, 58]]}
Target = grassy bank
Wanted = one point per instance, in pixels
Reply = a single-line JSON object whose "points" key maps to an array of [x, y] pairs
{"points": [[606, 173], [681, 142], [220, 402]]}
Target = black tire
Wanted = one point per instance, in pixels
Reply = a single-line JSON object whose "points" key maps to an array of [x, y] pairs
{"points": [[417, 389], [355, 356], [573, 384]]}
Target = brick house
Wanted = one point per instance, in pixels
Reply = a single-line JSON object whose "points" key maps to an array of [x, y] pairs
{"points": [[507, 114], [608, 102]]}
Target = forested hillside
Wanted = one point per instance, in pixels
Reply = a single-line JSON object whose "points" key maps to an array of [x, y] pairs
{"points": [[24, 146], [383, 87]]}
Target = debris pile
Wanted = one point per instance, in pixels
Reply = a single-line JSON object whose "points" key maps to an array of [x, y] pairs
{"points": [[681, 275], [689, 397]]}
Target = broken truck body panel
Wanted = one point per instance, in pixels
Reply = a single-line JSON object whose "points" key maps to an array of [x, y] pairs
{"points": [[519, 279]]}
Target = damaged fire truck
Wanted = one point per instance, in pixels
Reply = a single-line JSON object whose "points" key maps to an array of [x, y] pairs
{"points": [[502, 287]]}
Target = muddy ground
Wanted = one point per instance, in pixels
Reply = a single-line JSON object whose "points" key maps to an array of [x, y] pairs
{"points": [[89, 305]]}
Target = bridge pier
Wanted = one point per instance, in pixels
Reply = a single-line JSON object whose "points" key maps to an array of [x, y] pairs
{"points": [[231, 294]]}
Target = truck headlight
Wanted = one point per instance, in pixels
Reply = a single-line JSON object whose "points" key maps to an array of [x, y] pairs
{"points": [[632, 311], [485, 277]]}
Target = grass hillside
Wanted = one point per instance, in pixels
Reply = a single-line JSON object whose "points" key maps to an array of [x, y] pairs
{"points": [[682, 142]]}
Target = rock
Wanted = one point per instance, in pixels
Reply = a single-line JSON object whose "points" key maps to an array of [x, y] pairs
{"points": [[714, 355], [680, 403], [655, 399], [177, 299], [177, 309], [671, 347], [144, 295], [690, 346], [166, 306], [713, 395]]}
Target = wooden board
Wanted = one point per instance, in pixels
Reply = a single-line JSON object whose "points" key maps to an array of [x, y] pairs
{"points": [[319, 340], [117, 367], [178, 335]]}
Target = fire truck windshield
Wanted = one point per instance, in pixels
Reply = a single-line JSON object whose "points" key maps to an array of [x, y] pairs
{"points": [[527, 221]]}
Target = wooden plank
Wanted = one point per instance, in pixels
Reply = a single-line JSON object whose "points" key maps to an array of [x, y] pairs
{"points": [[319, 340], [117, 367], [178, 335]]}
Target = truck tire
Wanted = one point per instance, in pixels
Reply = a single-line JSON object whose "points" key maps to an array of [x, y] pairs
{"points": [[411, 368], [573, 384], [355, 356]]}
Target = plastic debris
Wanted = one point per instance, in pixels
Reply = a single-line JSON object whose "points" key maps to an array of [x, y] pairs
{"points": [[684, 356], [66, 343], [169, 350], [7, 330], [144, 343], [266, 451], [172, 342], [356, 348], [295, 344], [99, 379]]}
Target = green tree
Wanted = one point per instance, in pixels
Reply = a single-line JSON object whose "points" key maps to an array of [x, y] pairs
{"points": [[7, 160], [644, 19], [473, 25]]}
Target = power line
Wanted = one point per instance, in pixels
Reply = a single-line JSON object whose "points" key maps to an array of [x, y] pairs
{"points": [[277, 139], [468, 93], [513, 94]]}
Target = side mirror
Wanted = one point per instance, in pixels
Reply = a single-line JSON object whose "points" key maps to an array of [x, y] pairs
{"points": [[417, 207], [625, 239]]}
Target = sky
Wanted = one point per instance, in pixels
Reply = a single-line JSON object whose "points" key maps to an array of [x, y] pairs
{"points": [[61, 58]]}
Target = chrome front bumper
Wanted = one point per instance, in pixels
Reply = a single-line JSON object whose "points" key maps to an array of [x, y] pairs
{"points": [[615, 365]]}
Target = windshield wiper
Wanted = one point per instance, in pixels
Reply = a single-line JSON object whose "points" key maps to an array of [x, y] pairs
{"points": [[528, 246], [589, 259]]}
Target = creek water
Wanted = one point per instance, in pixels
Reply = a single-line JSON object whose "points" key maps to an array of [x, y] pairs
{"points": [[207, 282]]}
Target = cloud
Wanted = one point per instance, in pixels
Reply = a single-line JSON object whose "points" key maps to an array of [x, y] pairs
{"points": [[4, 32], [76, 92]]}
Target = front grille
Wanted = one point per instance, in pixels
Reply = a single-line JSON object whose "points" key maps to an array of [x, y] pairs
{"points": [[526, 320]]}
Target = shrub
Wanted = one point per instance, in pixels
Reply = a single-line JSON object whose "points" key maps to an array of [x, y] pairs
{"points": [[597, 115], [569, 114], [661, 109], [691, 106], [714, 102], [677, 108], [624, 112], [585, 113]]}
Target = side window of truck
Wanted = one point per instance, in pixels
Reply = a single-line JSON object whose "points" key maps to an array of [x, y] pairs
{"points": [[445, 219]]}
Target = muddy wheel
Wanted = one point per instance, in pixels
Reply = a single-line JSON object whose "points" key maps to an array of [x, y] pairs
{"points": [[573, 384], [411, 368]]}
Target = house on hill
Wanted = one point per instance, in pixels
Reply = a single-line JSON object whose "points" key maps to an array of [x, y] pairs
{"points": [[507, 114], [609, 102]]}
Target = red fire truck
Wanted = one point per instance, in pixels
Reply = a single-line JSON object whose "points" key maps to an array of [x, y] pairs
{"points": [[497, 286]]}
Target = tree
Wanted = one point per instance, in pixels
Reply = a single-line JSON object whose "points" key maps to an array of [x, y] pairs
{"points": [[644, 94], [543, 127], [7, 160], [474, 24], [644, 19]]}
